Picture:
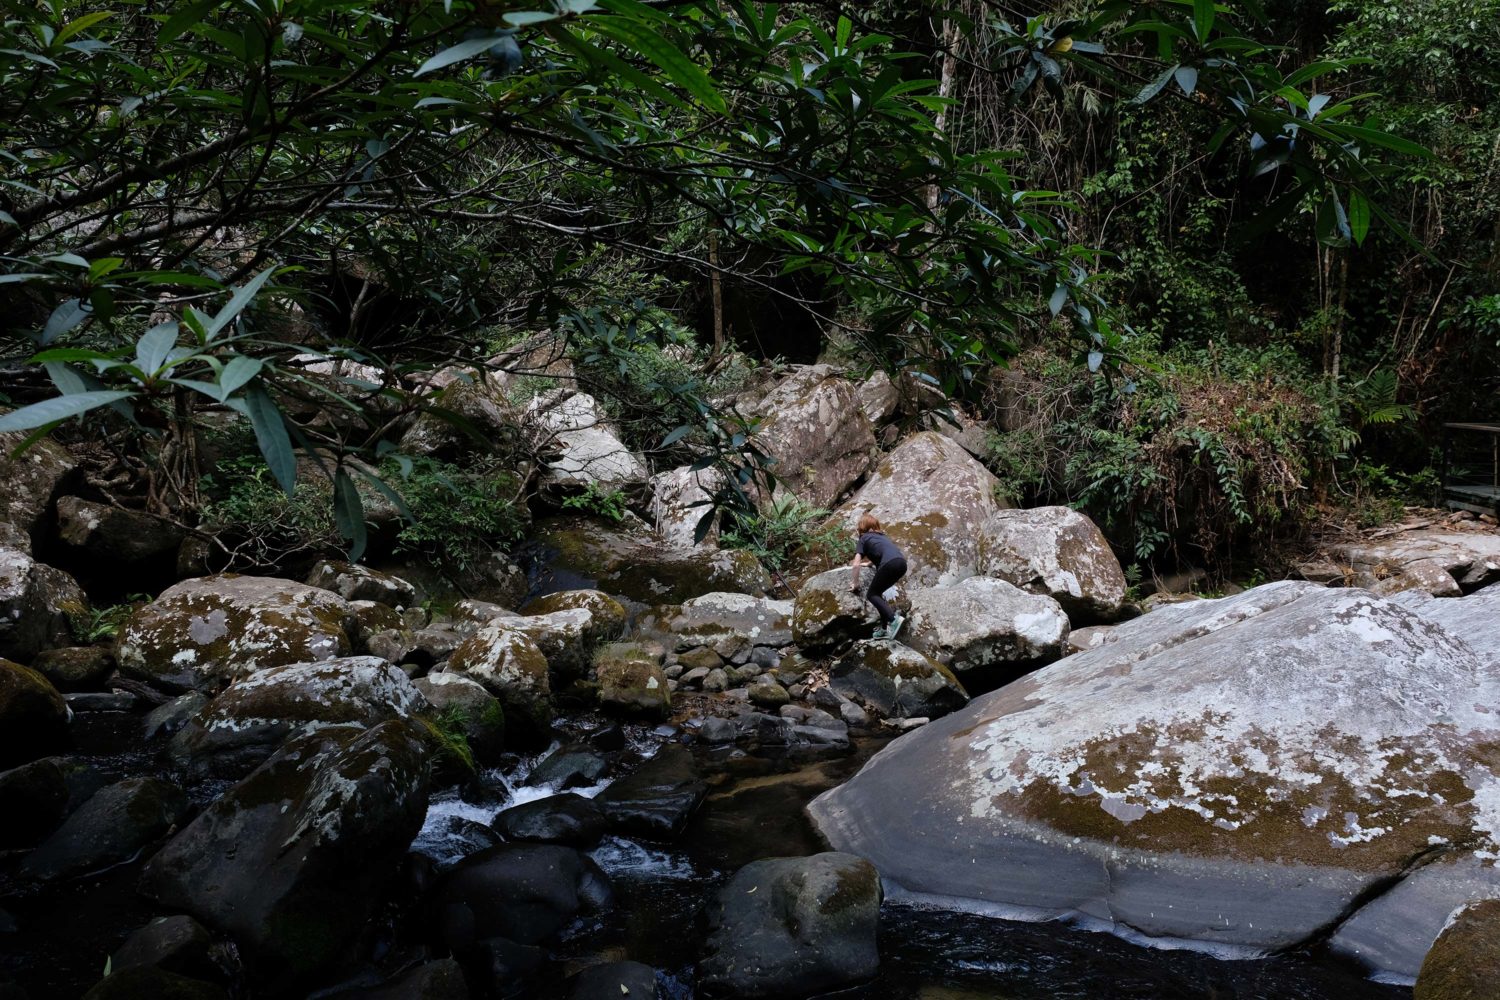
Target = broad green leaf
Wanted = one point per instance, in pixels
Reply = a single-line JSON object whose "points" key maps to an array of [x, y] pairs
{"points": [[152, 349], [1203, 18], [184, 19], [8, 279], [64, 318], [83, 23], [271, 436], [677, 435], [1359, 215], [349, 514], [665, 55], [1379, 138], [58, 408], [237, 302], [457, 53], [237, 373], [1153, 88]]}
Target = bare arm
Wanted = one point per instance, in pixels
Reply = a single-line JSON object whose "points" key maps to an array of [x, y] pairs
{"points": [[854, 566]]}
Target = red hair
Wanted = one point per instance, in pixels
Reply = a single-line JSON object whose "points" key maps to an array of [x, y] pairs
{"points": [[869, 522]]}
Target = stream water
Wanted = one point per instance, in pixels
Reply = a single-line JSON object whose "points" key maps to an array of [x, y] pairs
{"points": [[754, 809]]}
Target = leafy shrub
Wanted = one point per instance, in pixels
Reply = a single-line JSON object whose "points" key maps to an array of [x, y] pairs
{"points": [[608, 504], [459, 516], [782, 529], [260, 524]]}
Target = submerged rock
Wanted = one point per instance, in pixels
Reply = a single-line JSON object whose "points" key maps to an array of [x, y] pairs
{"points": [[38, 605], [658, 798], [112, 826], [567, 819], [898, 682], [208, 631], [633, 562], [1057, 552], [252, 718], [33, 716], [790, 927], [979, 626], [931, 496], [291, 861], [1240, 772], [523, 892]]}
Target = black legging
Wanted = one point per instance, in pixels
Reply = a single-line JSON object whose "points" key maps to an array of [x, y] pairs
{"points": [[886, 574]]}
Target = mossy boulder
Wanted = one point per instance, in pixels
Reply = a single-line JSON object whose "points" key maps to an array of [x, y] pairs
{"points": [[29, 484], [354, 582], [1057, 552], [292, 862], [255, 716], [729, 624], [981, 626], [510, 666], [206, 632], [897, 682], [631, 680], [33, 716], [826, 614], [1245, 772], [36, 797], [816, 429], [608, 614], [112, 826], [791, 927], [462, 703], [629, 560], [75, 668], [149, 983], [1464, 963], [931, 496], [38, 606], [115, 535], [567, 638]]}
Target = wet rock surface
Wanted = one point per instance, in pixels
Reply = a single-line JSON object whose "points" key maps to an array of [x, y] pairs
{"points": [[657, 799], [113, 825], [787, 927], [558, 819], [522, 892], [1464, 963], [38, 605], [1209, 774]]}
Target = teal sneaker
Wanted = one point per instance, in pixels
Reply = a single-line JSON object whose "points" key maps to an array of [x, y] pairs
{"points": [[881, 633], [895, 628]]}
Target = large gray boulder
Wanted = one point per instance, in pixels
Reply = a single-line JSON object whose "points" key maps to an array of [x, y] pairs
{"points": [[826, 614], [791, 927], [205, 632], [729, 624], [633, 562], [631, 680], [984, 625], [1244, 772], [1058, 552], [255, 716], [816, 429], [1471, 558], [589, 452], [38, 605], [679, 500], [897, 681], [354, 582], [292, 861], [931, 496], [29, 484]]}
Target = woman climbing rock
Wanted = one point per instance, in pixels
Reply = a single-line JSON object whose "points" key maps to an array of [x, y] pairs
{"points": [[875, 549]]}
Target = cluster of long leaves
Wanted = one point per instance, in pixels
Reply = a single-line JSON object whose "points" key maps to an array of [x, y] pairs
{"points": [[154, 160]]}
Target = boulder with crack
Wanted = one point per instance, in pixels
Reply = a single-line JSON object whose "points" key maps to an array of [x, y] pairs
{"points": [[1058, 552], [980, 625]]}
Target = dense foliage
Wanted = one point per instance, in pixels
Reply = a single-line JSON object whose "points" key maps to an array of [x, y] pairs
{"points": [[204, 205]]}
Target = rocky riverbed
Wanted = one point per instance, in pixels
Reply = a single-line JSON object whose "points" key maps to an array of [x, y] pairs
{"points": [[629, 764]]}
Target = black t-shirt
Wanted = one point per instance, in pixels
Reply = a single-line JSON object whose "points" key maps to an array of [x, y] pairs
{"points": [[877, 548]]}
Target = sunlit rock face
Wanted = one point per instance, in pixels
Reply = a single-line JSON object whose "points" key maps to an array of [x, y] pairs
{"points": [[1246, 773]]}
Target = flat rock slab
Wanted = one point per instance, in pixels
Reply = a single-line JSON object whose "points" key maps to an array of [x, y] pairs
{"points": [[1237, 772], [658, 798]]}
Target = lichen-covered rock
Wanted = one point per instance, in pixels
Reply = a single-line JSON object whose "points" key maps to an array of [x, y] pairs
{"points": [[114, 534], [464, 702], [628, 560], [353, 582], [33, 716], [292, 861], [1464, 963], [208, 631], [879, 399], [790, 927], [472, 612], [827, 614], [513, 669], [931, 496], [897, 682], [608, 614], [1426, 575], [1239, 772], [1472, 617], [818, 433], [591, 452], [679, 500], [38, 605], [631, 680], [30, 483], [478, 400], [566, 638], [75, 668], [980, 624], [255, 716], [1471, 557], [1057, 552], [728, 624], [112, 826]]}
